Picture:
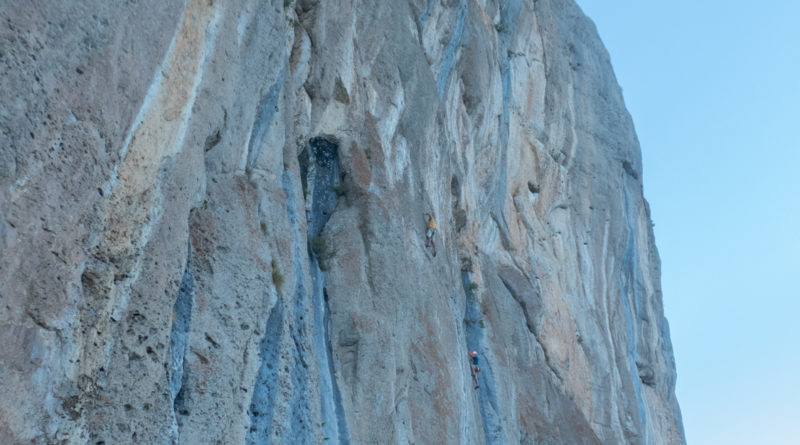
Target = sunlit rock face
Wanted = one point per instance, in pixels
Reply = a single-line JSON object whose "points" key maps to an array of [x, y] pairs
{"points": [[212, 230]]}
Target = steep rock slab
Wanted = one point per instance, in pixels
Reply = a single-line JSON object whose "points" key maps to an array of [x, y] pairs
{"points": [[212, 227]]}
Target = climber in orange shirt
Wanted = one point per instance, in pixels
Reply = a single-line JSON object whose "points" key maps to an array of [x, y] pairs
{"points": [[430, 233]]}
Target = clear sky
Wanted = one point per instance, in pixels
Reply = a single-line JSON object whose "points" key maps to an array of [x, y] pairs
{"points": [[714, 90]]}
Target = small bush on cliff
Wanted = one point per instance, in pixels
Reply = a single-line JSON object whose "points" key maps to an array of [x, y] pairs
{"points": [[323, 251], [277, 277], [342, 188], [471, 290], [303, 160]]}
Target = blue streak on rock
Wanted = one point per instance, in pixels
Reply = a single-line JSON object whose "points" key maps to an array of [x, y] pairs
{"points": [[262, 403], [179, 335], [509, 14], [628, 280], [321, 174], [424, 17], [265, 113], [300, 422], [335, 426], [458, 328], [300, 426], [448, 61], [487, 393], [505, 70]]}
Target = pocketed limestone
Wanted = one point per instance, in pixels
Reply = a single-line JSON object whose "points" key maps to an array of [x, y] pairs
{"points": [[179, 263]]}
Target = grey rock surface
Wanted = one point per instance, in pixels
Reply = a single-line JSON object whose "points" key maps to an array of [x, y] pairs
{"points": [[211, 227]]}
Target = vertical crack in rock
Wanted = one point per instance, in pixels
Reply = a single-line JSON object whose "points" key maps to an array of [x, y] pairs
{"points": [[178, 341], [423, 17], [630, 291], [468, 427], [531, 314], [300, 427], [265, 113], [320, 174], [448, 60], [487, 393], [509, 14], [335, 426], [262, 403], [300, 420], [529, 322]]}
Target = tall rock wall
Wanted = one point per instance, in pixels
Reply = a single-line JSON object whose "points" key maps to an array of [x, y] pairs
{"points": [[212, 231]]}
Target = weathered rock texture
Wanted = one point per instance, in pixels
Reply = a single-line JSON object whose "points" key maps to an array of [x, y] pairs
{"points": [[212, 227]]}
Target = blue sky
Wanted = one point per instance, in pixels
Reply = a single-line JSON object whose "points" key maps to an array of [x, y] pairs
{"points": [[714, 90]]}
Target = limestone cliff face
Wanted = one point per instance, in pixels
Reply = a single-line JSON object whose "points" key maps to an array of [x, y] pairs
{"points": [[211, 227]]}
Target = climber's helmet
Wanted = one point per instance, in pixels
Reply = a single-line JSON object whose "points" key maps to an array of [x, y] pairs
{"points": [[474, 353]]}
